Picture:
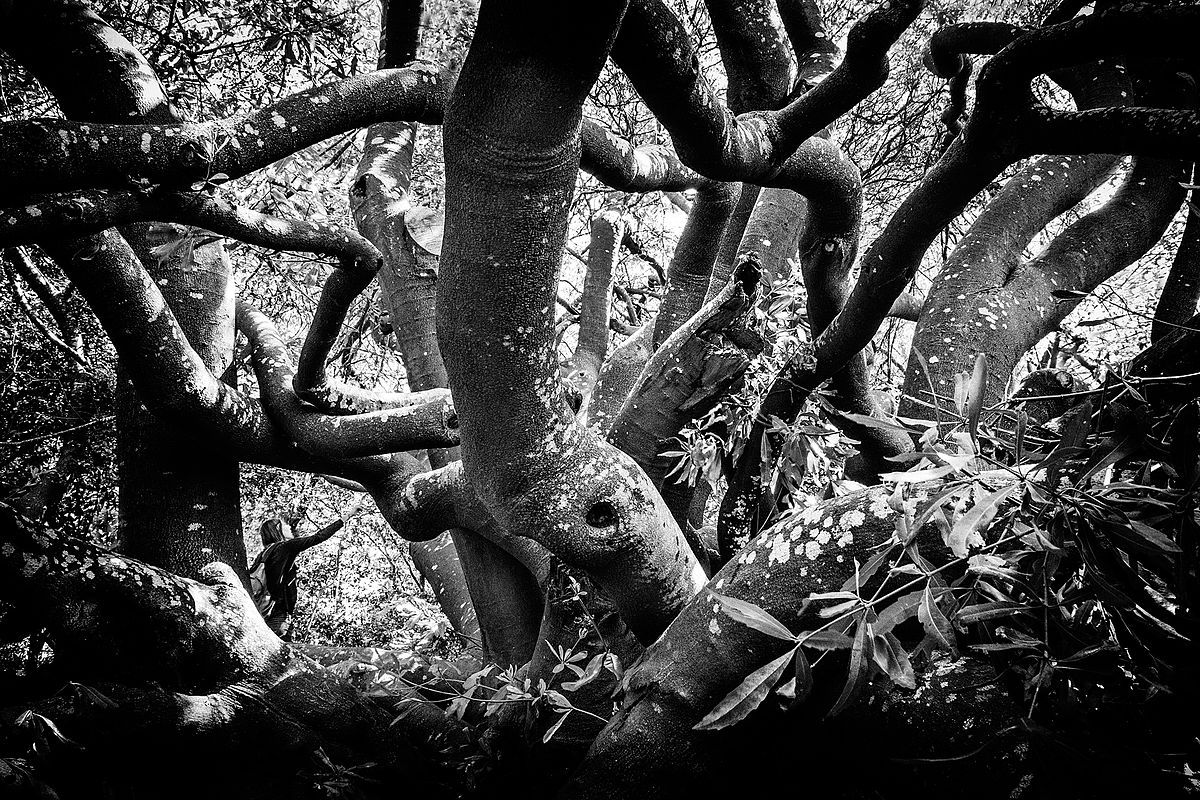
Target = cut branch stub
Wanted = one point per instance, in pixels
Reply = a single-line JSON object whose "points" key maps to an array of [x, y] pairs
{"points": [[690, 373]]}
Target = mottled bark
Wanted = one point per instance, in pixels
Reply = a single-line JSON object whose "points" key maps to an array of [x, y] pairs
{"points": [[650, 749], [58, 155], [604, 250], [1010, 302], [219, 679], [617, 378], [179, 504], [465, 570], [512, 149], [692, 262]]}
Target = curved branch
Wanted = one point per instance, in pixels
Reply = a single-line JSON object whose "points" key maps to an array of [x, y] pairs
{"points": [[430, 422], [169, 376], [619, 165], [604, 249], [1131, 30], [85, 212], [41, 156], [692, 262], [949, 44], [656, 53]]}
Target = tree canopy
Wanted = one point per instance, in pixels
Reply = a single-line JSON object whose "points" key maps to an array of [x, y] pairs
{"points": [[750, 393]]}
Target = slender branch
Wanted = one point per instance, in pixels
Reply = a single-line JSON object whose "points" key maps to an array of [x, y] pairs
{"points": [[692, 262], [604, 249], [655, 52], [169, 376], [21, 265], [429, 422], [86, 212], [41, 156]]}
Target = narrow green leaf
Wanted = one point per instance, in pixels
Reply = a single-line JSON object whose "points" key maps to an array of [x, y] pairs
{"points": [[919, 476], [862, 576], [825, 640], [861, 656], [977, 519], [904, 608], [937, 627], [868, 421], [982, 612], [748, 695], [840, 608], [1156, 538], [804, 679], [554, 728], [754, 617], [892, 660], [976, 390], [842, 595], [594, 668]]}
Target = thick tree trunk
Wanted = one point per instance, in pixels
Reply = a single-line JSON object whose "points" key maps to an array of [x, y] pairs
{"points": [[650, 748], [179, 500], [510, 170]]}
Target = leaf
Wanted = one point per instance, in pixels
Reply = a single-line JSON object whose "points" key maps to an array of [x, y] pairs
{"points": [[426, 227], [861, 656], [981, 612], [862, 576], [558, 701], [960, 393], [1122, 450], [935, 505], [754, 617], [892, 660], [903, 609], [549, 734], [977, 519], [803, 679], [920, 476], [748, 695], [840, 608], [594, 668], [937, 627], [825, 640], [843, 595], [1145, 538], [975, 393], [868, 421]]}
